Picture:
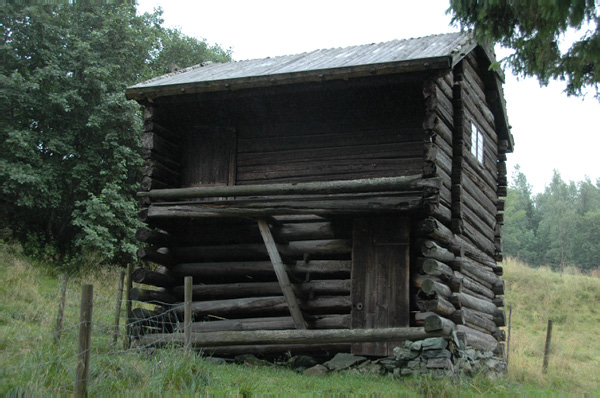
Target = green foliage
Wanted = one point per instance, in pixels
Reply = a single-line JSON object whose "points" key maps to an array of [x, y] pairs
{"points": [[70, 140], [559, 227], [534, 29]]}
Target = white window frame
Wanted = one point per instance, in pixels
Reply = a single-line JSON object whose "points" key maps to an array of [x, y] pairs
{"points": [[477, 143]]}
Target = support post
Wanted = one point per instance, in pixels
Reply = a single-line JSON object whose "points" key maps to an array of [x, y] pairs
{"points": [[61, 309], [508, 338], [128, 288], [84, 341], [547, 346], [282, 275], [187, 317], [118, 306]]}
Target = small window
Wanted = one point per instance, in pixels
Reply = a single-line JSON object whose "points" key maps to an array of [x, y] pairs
{"points": [[476, 143]]}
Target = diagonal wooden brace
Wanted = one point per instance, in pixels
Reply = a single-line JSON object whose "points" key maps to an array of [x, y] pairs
{"points": [[282, 276]]}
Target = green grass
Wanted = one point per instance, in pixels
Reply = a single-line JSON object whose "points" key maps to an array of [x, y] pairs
{"points": [[31, 364]]}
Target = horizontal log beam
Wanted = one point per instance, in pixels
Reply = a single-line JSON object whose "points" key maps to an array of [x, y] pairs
{"points": [[264, 208], [328, 247], [276, 337], [259, 268], [271, 323], [327, 187], [255, 289]]}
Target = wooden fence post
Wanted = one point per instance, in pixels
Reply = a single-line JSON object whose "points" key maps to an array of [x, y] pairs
{"points": [[118, 307], [508, 338], [84, 341], [187, 315], [547, 346], [128, 287], [61, 309]]}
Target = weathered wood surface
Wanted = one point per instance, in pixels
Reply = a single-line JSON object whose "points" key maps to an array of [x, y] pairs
{"points": [[435, 230], [269, 207], [206, 270], [156, 255], [267, 305], [465, 300], [484, 275], [153, 236], [272, 323], [154, 278], [323, 336], [152, 296], [437, 268], [380, 278], [433, 288], [440, 306], [477, 339], [296, 249], [320, 188], [282, 276], [430, 249], [474, 285], [435, 323], [256, 289]]}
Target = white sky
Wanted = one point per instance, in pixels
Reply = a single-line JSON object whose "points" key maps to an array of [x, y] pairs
{"points": [[551, 130]]}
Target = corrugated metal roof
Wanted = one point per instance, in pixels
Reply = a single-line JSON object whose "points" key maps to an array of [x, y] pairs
{"points": [[448, 45]]}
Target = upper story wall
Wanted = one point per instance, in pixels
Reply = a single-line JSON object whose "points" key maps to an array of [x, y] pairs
{"points": [[479, 173], [321, 132]]}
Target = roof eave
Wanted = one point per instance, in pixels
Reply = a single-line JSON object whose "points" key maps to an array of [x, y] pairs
{"points": [[417, 65]]}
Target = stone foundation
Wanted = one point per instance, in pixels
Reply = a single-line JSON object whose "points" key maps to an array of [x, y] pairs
{"points": [[437, 357]]}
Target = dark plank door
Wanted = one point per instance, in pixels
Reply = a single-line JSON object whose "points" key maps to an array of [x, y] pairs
{"points": [[209, 158], [380, 278]]}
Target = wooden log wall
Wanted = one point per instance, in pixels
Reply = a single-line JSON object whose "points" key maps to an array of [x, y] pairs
{"points": [[458, 282], [438, 123], [235, 286], [476, 186], [161, 151], [351, 133]]}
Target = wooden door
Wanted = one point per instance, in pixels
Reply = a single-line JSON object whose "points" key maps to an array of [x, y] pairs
{"points": [[210, 157], [380, 278]]}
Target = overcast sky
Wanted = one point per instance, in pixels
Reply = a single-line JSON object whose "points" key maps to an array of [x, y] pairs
{"points": [[551, 130]]}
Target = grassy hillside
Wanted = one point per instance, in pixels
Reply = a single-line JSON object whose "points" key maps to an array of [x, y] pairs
{"points": [[31, 364]]}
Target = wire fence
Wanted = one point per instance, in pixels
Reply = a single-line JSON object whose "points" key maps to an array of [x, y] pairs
{"points": [[54, 357]]}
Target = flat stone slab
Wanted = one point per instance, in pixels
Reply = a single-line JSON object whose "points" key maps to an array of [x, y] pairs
{"points": [[434, 343], [317, 370], [344, 361]]}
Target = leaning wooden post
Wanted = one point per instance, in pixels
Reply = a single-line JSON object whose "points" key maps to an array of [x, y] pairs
{"points": [[282, 276], [85, 340], [118, 306], [128, 288], [547, 346], [187, 314], [61, 309]]}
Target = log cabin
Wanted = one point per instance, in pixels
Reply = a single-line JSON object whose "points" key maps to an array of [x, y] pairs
{"points": [[336, 191]]}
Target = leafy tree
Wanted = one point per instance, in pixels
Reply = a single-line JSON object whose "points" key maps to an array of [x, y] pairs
{"points": [[534, 29], [70, 141], [520, 220], [557, 224]]}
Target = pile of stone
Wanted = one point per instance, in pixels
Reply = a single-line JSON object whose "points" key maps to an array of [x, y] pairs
{"points": [[436, 356]]}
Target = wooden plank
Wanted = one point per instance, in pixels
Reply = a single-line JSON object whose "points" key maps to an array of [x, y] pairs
{"points": [[341, 151], [209, 157], [351, 138], [314, 170], [282, 276], [380, 278]]}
